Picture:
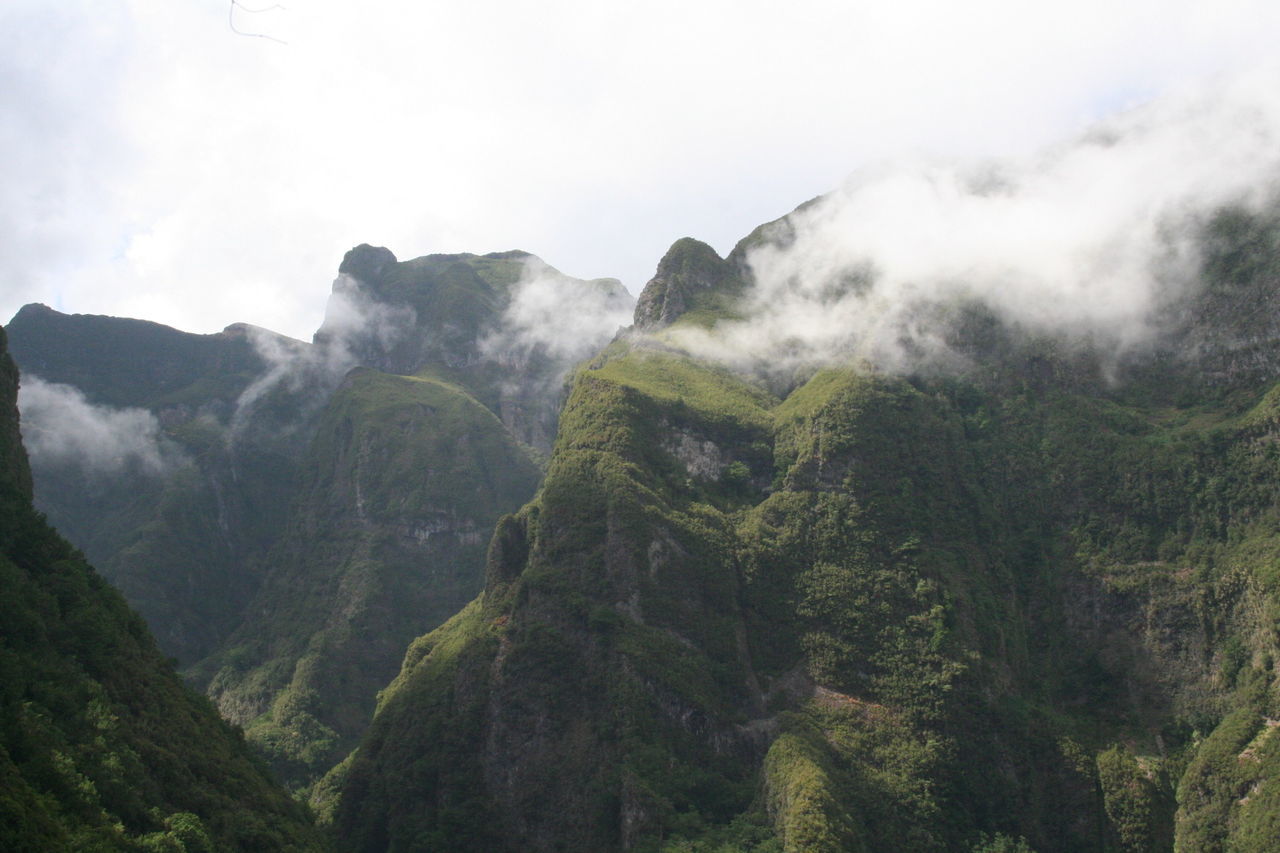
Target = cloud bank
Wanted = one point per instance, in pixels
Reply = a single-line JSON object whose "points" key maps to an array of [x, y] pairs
{"points": [[61, 427], [1085, 239]]}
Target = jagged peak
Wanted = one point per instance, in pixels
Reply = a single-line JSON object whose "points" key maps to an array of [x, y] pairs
{"points": [[689, 268], [33, 309]]}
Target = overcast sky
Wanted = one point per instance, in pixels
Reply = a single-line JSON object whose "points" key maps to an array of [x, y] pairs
{"points": [[158, 165]]}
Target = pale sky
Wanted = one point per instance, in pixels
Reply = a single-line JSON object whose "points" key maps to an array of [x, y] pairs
{"points": [[158, 165]]}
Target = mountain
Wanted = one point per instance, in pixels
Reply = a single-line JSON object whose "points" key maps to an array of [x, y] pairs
{"points": [[101, 746], [403, 481], [130, 429], [1022, 598], [288, 516], [1013, 589]]}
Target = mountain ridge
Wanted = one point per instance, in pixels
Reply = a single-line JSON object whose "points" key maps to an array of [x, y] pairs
{"points": [[1014, 589]]}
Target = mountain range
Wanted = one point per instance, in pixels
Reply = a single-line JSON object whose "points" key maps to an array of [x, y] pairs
{"points": [[477, 569]]}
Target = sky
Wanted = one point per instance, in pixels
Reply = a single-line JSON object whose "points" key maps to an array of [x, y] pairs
{"points": [[159, 164]]}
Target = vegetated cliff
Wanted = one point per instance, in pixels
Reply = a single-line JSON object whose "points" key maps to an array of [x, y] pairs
{"points": [[1022, 607], [312, 507], [465, 316], [399, 491], [177, 530], [101, 746]]}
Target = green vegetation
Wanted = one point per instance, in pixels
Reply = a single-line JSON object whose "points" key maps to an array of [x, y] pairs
{"points": [[404, 480], [692, 285], [932, 614], [1031, 607], [310, 525], [176, 542], [101, 746]]}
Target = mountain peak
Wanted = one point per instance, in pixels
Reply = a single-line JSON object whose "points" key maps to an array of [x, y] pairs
{"points": [[688, 269], [365, 262]]}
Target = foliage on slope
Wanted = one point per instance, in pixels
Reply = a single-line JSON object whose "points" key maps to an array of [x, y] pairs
{"points": [[402, 484], [101, 746], [177, 540], [886, 614], [589, 646], [302, 539], [446, 314]]}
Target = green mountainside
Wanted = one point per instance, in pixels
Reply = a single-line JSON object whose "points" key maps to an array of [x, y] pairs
{"points": [[317, 505], [101, 746], [176, 538], [1020, 597], [1023, 607], [400, 489]]}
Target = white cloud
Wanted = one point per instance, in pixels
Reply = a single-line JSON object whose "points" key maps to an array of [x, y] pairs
{"points": [[1085, 238], [61, 427], [351, 317], [565, 318]]}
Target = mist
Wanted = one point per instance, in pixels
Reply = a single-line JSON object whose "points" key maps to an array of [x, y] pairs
{"points": [[351, 316], [1082, 241], [292, 366], [61, 427], [567, 319]]}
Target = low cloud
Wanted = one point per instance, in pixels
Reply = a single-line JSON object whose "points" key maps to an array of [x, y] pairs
{"points": [[1086, 240], [566, 319], [61, 427], [353, 319], [353, 322]]}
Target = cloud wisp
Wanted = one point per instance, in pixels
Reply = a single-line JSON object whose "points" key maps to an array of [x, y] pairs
{"points": [[352, 319], [61, 427], [1084, 241], [566, 319]]}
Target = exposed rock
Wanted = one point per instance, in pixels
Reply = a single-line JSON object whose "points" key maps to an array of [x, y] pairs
{"points": [[689, 269]]}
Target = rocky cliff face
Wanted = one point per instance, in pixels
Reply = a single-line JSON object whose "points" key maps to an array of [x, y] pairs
{"points": [[460, 317], [1022, 596], [688, 275], [402, 484]]}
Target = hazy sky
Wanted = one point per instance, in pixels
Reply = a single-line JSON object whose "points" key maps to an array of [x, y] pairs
{"points": [[158, 165]]}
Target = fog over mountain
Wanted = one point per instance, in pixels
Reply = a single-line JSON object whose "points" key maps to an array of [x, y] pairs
{"points": [[61, 427], [1086, 240], [940, 514], [141, 135]]}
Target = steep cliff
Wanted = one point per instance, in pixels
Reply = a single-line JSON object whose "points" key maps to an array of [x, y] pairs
{"points": [[1021, 605], [145, 459], [400, 489]]}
